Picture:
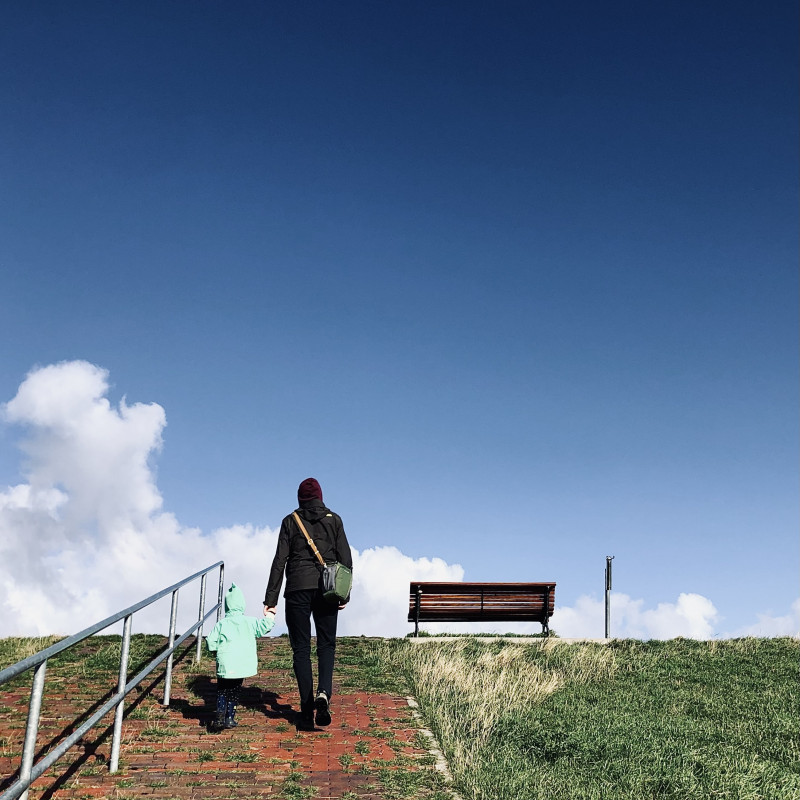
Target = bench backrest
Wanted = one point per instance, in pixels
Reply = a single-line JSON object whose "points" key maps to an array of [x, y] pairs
{"points": [[489, 602]]}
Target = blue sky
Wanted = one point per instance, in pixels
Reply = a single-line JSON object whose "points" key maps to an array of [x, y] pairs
{"points": [[516, 282]]}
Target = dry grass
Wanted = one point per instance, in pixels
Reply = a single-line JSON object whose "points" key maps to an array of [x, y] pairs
{"points": [[482, 683], [15, 648]]}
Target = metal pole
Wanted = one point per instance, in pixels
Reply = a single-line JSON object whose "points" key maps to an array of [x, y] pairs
{"points": [[609, 559], [546, 620], [123, 679], [200, 615], [32, 729], [221, 590], [173, 618]]}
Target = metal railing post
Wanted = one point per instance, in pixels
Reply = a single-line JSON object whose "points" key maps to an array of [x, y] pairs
{"points": [[200, 615], [123, 679], [32, 728], [221, 594], [173, 618]]}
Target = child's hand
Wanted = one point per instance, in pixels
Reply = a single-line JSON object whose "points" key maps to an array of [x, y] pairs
{"points": [[270, 610]]}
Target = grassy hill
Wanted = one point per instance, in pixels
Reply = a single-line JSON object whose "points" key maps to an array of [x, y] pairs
{"points": [[634, 720], [678, 719]]}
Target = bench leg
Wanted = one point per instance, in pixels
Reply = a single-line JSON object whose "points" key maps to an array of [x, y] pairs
{"points": [[416, 613]]}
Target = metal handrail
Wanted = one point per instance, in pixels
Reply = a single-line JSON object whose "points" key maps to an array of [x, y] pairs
{"points": [[29, 771]]}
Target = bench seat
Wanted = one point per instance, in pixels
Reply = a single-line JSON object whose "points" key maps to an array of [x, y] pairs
{"points": [[481, 602]]}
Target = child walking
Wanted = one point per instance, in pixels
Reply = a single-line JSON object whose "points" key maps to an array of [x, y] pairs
{"points": [[233, 639]]}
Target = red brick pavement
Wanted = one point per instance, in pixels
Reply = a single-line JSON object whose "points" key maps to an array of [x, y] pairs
{"points": [[371, 750]]}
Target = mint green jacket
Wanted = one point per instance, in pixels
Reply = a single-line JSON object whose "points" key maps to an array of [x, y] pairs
{"points": [[233, 638]]}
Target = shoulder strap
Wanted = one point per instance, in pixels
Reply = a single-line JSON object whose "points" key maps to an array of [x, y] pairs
{"points": [[308, 538]]}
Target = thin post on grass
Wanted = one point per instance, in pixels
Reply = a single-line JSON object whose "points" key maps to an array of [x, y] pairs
{"points": [[609, 559]]}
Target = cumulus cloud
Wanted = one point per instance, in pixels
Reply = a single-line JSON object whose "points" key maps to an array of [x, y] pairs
{"points": [[381, 576], [692, 616], [85, 535], [98, 455], [773, 625]]}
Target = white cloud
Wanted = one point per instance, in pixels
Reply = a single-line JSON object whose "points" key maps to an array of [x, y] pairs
{"points": [[85, 536], [97, 454], [381, 576], [772, 625], [692, 616]]}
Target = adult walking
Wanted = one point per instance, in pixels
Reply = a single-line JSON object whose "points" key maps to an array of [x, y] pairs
{"points": [[304, 596]]}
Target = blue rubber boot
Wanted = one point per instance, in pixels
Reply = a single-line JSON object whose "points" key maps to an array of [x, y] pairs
{"points": [[230, 709], [218, 723]]}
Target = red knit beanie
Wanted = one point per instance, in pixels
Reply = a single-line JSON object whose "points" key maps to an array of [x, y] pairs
{"points": [[308, 490]]}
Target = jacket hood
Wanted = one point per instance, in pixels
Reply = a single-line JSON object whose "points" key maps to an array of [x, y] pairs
{"points": [[312, 512], [234, 600]]}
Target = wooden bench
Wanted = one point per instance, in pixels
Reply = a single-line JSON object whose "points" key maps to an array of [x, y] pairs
{"points": [[481, 602]]}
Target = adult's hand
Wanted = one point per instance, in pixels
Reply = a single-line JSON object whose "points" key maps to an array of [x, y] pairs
{"points": [[270, 610], [342, 605]]}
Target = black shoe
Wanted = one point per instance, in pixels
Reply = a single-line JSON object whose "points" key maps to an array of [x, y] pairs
{"points": [[217, 724], [322, 707], [304, 722]]}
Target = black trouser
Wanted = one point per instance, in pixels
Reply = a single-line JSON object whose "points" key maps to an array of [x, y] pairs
{"points": [[300, 607]]}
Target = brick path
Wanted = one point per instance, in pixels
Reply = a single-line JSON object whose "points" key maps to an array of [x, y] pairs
{"points": [[372, 750]]}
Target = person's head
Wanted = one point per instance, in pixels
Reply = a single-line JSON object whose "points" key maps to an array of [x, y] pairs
{"points": [[309, 491]]}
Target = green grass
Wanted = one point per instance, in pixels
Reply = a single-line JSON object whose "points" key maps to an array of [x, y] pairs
{"points": [[362, 664], [96, 658], [676, 720], [401, 783], [634, 720], [15, 648], [361, 747], [291, 788]]}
